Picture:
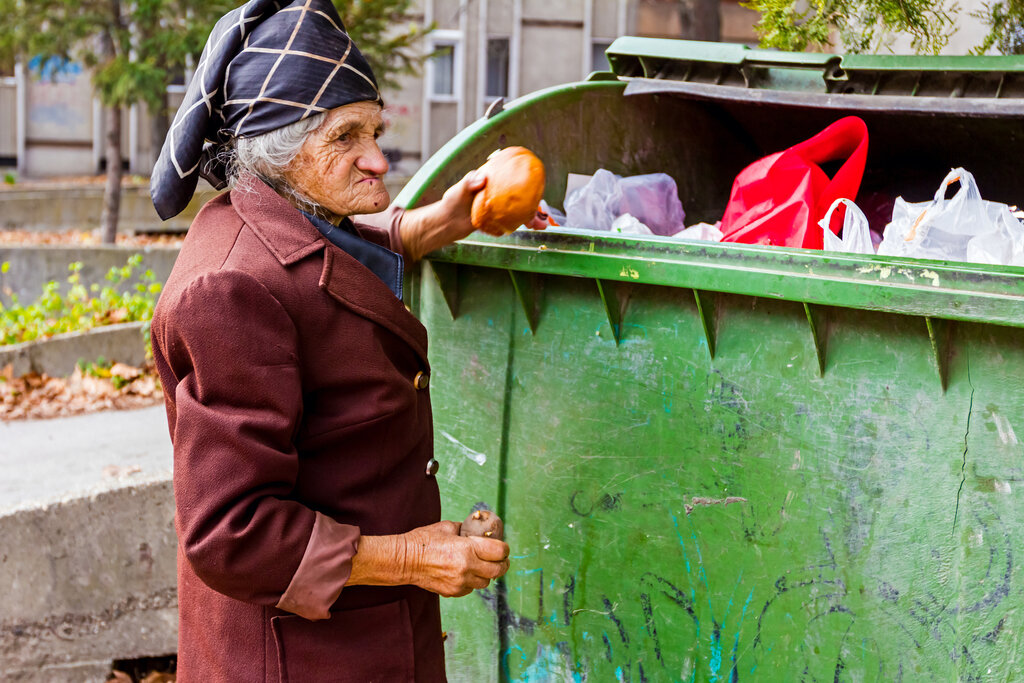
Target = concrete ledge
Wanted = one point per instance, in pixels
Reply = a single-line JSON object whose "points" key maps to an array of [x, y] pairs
{"points": [[79, 207], [88, 581], [32, 267], [61, 208], [57, 356]]}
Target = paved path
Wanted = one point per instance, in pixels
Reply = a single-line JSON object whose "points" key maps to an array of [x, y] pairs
{"points": [[47, 460]]}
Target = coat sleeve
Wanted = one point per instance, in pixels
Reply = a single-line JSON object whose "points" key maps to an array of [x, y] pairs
{"points": [[231, 351]]}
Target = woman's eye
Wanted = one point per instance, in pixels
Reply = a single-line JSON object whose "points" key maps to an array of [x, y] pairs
{"points": [[344, 137]]}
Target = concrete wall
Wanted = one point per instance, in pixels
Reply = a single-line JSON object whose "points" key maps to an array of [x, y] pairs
{"points": [[58, 356], [32, 267], [87, 581], [78, 207]]}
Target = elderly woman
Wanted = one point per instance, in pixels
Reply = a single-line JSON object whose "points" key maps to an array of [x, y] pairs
{"points": [[308, 516]]}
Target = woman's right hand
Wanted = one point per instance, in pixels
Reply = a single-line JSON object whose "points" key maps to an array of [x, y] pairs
{"points": [[439, 560]]}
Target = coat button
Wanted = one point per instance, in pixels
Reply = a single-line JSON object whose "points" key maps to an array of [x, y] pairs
{"points": [[421, 381], [432, 467]]}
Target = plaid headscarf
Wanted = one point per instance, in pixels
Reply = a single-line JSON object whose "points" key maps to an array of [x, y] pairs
{"points": [[267, 64]]}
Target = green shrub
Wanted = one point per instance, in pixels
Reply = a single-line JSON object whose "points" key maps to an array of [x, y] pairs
{"points": [[76, 306]]}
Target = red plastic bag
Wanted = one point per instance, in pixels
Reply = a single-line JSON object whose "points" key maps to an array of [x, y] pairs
{"points": [[779, 199]]}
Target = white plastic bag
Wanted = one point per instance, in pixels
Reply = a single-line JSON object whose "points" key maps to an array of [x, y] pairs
{"points": [[629, 225], [701, 232], [962, 228], [856, 237], [652, 199]]}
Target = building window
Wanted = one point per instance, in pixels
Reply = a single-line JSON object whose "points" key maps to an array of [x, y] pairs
{"points": [[598, 61], [444, 70], [445, 66], [497, 67]]}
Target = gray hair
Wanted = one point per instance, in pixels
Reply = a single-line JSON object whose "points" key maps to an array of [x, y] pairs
{"points": [[268, 156]]}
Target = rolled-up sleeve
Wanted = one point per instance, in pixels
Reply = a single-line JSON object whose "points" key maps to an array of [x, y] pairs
{"points": [[388, 222], [231, 349]]}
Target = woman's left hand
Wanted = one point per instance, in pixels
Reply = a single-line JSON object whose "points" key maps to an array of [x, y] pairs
{"points": [[448, 220]]}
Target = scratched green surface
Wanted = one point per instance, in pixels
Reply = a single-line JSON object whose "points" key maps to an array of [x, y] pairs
{"points": [[856, 554], [873, 470]]}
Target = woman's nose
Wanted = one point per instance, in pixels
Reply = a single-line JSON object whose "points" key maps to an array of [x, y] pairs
{"points": [[372, 160]]}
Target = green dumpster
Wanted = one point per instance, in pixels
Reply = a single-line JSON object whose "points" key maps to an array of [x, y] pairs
{"points": [[725, 462]]}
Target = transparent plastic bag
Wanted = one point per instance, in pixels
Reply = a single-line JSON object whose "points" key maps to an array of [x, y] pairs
{"points": [[595, 205], [652, 199], [964, 227], [856, 237]]}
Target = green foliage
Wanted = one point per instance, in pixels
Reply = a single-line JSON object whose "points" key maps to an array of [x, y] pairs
{"points": [[134, 46], [386, 35], [10, 178], [77, 307], [1006, 27], [863, 26]]}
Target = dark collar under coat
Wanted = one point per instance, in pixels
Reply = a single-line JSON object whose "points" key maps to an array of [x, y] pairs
{"points": [[291, 237], [381, 261]]}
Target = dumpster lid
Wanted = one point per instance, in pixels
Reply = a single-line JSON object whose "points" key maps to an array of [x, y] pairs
{"points": [[967, 85]]}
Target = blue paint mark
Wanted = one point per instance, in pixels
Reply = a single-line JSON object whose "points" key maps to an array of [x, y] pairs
{"points": [[716, 654], [504, 660], [743, 615], [55, 69], [56, 115]]}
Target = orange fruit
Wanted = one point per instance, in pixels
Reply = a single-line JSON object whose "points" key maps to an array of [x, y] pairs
{"points": [[515, 184]]}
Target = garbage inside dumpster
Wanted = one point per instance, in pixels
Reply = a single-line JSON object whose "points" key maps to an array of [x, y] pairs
{"points": [[855, 235], [651, 200], [778, 200], [963, 227]]}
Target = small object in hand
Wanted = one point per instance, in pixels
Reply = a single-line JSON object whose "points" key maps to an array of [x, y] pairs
{"points": [[515, 185], [483, 523]]}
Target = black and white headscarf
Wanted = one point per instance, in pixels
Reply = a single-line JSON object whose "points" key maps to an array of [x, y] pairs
{"points": [[267, 64]]}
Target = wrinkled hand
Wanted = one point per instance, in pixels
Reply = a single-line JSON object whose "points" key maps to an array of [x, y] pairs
{"points": [[448, 219], [441, 561]]}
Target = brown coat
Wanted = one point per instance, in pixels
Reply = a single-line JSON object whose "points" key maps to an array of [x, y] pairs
{"points": [[297, 426]]}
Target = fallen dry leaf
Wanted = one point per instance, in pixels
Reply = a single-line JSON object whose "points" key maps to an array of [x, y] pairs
{"points": [[159, 677], [36, 396], [125, 372]]}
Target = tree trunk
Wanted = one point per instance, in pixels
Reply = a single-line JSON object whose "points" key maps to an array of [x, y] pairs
{"points": [[158, 126], [112, 193], [700, 19]]}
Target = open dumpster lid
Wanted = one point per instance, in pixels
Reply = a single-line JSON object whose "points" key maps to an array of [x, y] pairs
{"points": [[965, 85]]}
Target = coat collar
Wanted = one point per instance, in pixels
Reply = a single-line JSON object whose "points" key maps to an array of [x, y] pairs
{"points": [[290, 237]]}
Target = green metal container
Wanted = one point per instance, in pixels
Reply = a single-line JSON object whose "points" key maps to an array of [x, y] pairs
{"points": [[725, 462]]}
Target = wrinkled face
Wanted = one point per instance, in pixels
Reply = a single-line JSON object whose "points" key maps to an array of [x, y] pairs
{"points": [[340, 166]]}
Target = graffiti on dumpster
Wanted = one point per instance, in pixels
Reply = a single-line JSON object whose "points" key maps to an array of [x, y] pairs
{"points": [[807, 622]]}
